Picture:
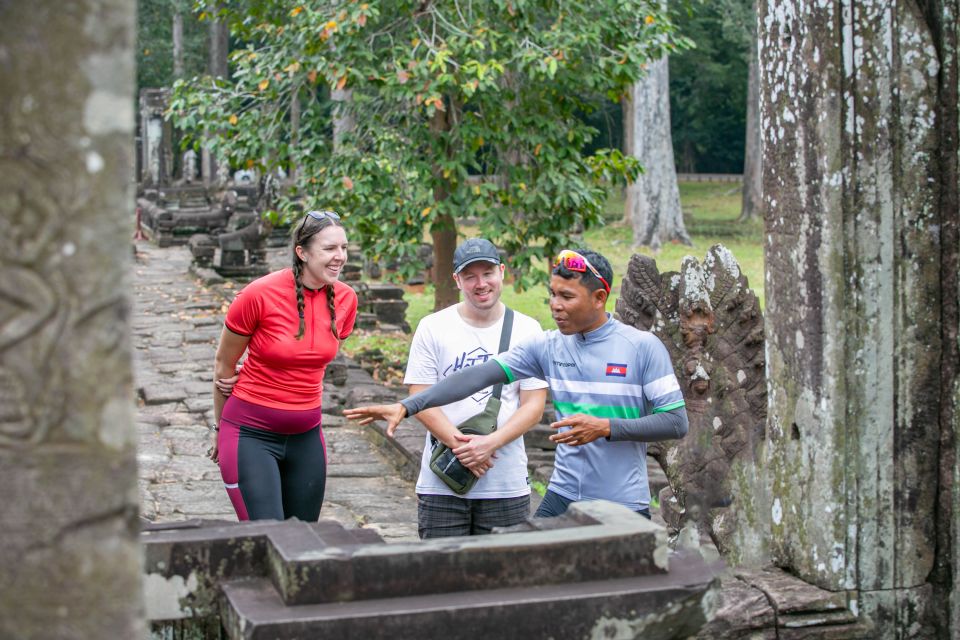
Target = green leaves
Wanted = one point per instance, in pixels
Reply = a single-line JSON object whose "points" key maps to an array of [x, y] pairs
{"points": [[467, 110]]}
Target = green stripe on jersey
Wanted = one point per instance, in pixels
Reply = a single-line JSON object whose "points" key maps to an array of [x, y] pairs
{"points": [[670, 407], [510, 377], [597, 410]]}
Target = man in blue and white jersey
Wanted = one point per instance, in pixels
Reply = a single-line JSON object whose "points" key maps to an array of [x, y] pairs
{"points": [[613, 389]]}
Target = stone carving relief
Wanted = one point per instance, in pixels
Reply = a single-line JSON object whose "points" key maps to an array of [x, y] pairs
{"points": [[711, 324]]}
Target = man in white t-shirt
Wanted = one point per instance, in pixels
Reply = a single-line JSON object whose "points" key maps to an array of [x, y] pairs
{"points": [[463, 335]]}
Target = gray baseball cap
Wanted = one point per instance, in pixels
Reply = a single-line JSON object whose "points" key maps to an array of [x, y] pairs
{"points": [[474, 250]]}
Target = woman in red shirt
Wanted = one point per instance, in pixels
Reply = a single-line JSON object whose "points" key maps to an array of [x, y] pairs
{"points": [[269, 442]]}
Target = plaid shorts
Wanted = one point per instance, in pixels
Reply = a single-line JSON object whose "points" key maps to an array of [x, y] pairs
{"points": [[442, 516]]}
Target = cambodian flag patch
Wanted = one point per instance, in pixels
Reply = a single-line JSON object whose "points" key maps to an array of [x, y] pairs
{"points": [[618, 370]]}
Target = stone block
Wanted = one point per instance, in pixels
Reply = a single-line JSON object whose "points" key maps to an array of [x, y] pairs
{"points": [[365, 394], [629, 546], [742, 612], [162, 394], [383, 291], [790, 594], [634, 607], [336, 372], [388, 311], [366, 320]]}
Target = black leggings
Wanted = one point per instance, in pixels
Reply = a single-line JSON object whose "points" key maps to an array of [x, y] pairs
{"points": [[279, 476]]}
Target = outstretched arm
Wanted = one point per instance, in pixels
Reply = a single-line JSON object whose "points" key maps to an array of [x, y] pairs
{"points": [[439, 425], [460, 385], [452, 388]]}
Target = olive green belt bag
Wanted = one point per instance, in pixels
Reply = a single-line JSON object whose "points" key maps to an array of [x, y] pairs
{"points": [[442, 461]]}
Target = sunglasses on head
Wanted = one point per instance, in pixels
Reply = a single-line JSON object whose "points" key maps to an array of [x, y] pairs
{"points": [[576, 262], [320, 215]]}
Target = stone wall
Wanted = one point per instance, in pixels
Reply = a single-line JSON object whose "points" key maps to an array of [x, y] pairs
{"points": [[859, 117], [69, 562]]}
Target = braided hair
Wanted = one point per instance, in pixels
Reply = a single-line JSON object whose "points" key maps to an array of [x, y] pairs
{"points": [[303, 235]]}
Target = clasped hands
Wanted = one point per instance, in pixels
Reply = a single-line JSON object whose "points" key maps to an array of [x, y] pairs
{"points": [[583, 430], [474, 452]]}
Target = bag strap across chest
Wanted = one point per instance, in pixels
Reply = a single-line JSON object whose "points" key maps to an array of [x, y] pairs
{"points": [[505, 333]]}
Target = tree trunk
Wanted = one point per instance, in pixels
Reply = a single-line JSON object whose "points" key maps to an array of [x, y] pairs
{"points": [[177, 42], [629, 196], [753, 156], [294, 132], [70, 560], [343, 118], [219, 35], [443, 230], [653, 201], [219, 43]]}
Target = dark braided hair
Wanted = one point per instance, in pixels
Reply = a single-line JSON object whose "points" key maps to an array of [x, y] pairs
{"points": [[312, 224]]}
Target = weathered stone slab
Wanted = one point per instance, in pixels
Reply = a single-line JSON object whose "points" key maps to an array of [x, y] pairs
{"points": [[199, 405], [788, 594], [742, 611], [162, 393], [860, 283], [625, 608], [629, 546]]}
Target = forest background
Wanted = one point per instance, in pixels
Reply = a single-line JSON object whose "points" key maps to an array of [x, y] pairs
{"points": [[708, 85]]}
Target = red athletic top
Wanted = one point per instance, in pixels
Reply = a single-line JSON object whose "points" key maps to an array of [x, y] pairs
{"points": [[280, 371]]}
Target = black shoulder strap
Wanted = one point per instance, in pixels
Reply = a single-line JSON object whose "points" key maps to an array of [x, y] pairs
{"points": [[504, 342]]}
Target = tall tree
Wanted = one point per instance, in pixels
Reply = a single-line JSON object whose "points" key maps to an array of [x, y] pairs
{"points": [[218, 68], [653, 200], [69, 562], [437, 126], [177, 43], [753, 155]]}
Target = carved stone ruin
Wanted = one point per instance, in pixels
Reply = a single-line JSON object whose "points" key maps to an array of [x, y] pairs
{"points": [[380, 305], [859, 115], [711, 324], [156, 146], [293, 580], [169, 216], [70, 560], [237, 250]]}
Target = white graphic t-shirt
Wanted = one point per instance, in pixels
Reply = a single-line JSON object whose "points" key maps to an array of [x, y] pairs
{"points": [[444, 344]]}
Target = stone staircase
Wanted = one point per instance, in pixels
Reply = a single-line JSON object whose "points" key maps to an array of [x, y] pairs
{"points": [[598, 570]]}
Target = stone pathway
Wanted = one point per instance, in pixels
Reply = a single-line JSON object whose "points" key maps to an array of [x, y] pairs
{"points": [[176, 324]]}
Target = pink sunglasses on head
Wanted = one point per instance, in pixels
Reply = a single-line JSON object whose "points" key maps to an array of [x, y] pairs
{"points": [[576, 262]]}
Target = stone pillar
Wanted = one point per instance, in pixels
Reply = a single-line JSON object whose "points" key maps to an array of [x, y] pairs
{"points": [[156, 146], [69, 562], [861, 269]]}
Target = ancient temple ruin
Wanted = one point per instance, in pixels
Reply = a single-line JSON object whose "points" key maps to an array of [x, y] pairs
{"points": [[294, 579], [851, 481], [711, 324]]}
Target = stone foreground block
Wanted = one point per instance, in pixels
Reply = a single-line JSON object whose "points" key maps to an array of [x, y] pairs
{"points": [[600, 569]]}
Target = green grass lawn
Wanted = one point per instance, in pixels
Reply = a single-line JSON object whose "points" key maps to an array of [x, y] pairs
{"points": [[710, 213]]}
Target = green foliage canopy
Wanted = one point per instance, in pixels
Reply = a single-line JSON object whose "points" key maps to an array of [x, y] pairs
{"points": [[462, 109]]}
